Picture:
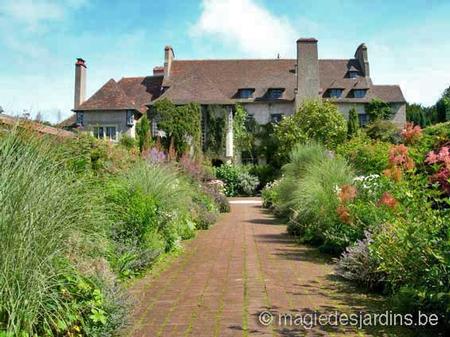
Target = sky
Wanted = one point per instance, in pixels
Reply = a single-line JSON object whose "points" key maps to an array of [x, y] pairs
{"points": [[408, 41]]}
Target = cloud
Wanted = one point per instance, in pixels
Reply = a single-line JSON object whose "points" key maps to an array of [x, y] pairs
{"points": [[34, 13], [247, 25]]}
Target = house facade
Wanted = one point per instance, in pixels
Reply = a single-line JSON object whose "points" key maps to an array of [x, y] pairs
{"points": [[268, 89]]}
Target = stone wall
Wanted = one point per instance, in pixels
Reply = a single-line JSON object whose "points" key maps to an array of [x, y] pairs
{"points": [[262, 111], [109, 118], [399, 110]]}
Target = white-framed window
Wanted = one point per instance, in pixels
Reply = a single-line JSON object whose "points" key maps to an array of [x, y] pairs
{"points": [[108, 132]]}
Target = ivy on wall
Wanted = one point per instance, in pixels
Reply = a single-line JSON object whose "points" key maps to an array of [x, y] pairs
{"points": [[180, 123], [215, 122]]}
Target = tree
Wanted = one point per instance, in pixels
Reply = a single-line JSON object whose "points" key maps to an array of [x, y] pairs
{"points": [[143, 133], [443, 107], [315, 120], [377, 109], [353, 123], [180, 123]]}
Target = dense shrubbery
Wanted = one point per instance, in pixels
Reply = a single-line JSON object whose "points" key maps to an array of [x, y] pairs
{"points": [[77, 216], [237, 180], [391, 222]]}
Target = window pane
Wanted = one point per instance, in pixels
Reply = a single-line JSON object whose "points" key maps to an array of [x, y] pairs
{"points": [[99, 132], [275, 118], [245, 93], [359, 93], [335, 93], [130, 119], [275, 93], [80, 118], [111, 132], [363, 119]]}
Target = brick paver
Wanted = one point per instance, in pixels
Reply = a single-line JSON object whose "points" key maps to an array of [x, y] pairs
{"points": [[227, 275]]}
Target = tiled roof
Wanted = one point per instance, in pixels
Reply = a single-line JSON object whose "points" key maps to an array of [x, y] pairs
{"points": [[109, 97], [208, 80], [130, 93], [218, 81], [68, 122], [35, 126]]}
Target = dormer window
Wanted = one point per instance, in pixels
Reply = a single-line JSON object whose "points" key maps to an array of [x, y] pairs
{"points": [[335, 92], [359, 93], [275, 93], [245, 92], [352, 74]]}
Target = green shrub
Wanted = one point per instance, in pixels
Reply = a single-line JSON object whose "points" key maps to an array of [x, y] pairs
{"points": [[237, 180], [150, 208], [366, 156], [383, 130], [270, 195], [265, 174], [127, 142], [307, 194], [315, 120], [46, 216]]}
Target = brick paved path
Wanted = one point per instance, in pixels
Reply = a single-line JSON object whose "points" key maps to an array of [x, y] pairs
{"points": [[227, 275]]}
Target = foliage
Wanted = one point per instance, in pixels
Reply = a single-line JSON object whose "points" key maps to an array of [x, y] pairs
{"points": [[411, 133], [352, 123], [238, 181], [418, 114], [265, 173], [247, 183], [383, 130], [181, 124], [307, 194], [315, 120], [214, 143], [269, 194], [242, 136], [127, 142], [367, 156], [443, 107], [143, 133], [377, 109], [357, 264], [46, 216]]}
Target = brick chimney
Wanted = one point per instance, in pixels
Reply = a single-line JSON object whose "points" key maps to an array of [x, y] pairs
{"points": [[363, 58], [80, 82], [308, 84], [168, 58]]}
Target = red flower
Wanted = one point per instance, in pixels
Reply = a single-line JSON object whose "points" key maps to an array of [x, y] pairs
{"points": [[388, 200]]}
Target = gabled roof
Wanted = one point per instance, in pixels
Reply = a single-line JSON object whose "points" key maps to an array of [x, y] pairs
{"points": [[130, 93], [109, 97]]}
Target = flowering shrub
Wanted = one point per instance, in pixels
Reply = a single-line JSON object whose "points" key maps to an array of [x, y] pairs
{"points": [[154, 155], [357, 264], [441, 163], [399, 161], [237, 180], [411, 133]]}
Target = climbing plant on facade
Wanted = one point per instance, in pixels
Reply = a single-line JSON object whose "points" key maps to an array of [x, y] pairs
{"points": [[180, 123]]}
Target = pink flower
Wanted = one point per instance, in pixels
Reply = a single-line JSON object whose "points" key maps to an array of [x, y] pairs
{"points": [[432, 158]]}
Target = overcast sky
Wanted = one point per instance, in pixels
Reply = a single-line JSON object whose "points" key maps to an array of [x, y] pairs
{"points": [[408, 41]]}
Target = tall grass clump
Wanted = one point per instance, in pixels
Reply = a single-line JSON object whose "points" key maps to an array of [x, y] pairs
{"points": [[44, 214], [150, 207], [308, 192]]}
